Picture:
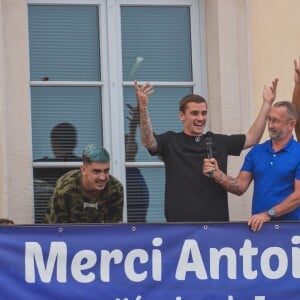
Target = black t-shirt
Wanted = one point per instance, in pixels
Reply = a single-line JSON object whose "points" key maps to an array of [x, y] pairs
{"points": [[190, 196]]}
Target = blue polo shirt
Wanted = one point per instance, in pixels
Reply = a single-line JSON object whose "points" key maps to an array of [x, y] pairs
{"points": [[273, 174]]}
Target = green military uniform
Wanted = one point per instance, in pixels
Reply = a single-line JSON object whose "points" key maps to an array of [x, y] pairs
{"points": [[70, 204]]}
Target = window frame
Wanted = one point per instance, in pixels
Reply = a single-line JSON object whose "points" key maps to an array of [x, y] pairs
{"points": [[102, 84], [112, 84], [199, 83]]}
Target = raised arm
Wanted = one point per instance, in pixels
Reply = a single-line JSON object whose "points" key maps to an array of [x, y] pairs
{"points": [[237, 186], [130, 142], [142, 93], [257, 129], [296, 95]]}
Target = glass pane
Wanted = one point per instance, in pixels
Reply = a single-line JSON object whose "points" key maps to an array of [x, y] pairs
{"points": [[148, 183], [163, 109], [78, 107], [156, 43], [145, 194], [64, 42], [44, 183]]}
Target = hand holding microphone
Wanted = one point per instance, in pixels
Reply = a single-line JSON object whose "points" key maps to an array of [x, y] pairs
{"points": [[208, 145], [208, 164]]}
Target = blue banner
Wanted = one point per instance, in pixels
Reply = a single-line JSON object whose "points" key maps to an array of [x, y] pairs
{"points": [[214, 261]]}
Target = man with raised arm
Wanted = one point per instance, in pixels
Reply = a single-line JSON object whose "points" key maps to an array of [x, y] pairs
{"points": [[189, 195]]}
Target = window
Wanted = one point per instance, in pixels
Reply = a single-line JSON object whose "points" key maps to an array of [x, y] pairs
{"points": [[66, 96], [84, 56]]}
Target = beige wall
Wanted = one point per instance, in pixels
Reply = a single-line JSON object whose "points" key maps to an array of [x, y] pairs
{"points": [[249, 44], [15, 134], [2, 120], [276, 42], [230, 81]]}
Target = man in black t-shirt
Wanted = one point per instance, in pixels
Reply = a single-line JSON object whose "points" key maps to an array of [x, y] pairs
{"points": [[190, 196]]}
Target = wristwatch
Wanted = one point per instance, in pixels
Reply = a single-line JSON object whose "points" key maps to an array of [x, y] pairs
{"points": [[271, 213]]}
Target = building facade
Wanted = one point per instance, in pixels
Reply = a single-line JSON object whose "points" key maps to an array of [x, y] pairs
{"points": [[75, 61]]}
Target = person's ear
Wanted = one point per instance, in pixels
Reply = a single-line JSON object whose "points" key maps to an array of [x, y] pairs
{"points": [[293, 123], [83, 169], [181, 116]]}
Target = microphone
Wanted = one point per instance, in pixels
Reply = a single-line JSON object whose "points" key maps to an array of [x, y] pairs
{"points": [[208, 145]]}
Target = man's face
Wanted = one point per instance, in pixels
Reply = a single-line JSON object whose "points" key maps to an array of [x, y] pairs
{"points": [[95, 176], [194, 118], [279, 125]]}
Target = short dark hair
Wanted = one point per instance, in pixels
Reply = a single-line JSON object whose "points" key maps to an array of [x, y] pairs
{"points": [[4, 221], [64, 136], [290, 107], [190, 98]]}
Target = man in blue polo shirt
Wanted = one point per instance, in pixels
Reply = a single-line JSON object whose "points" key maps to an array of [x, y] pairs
{"points": [[275, 168]]}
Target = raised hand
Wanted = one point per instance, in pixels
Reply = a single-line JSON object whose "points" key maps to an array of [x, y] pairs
{"points": [[143, 92], [297, 71], [269, 93]]}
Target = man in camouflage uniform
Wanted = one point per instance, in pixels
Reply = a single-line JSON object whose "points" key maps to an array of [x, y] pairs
{"points": [[88, 195]]}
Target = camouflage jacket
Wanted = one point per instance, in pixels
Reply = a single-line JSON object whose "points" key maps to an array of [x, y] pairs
{"points": [[70, 204]]}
